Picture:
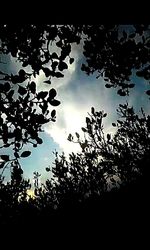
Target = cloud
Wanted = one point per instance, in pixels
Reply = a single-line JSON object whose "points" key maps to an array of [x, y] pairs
{"points": [[78, 93], [77, 97]]}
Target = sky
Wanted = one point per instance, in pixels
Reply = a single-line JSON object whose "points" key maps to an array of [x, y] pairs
{"points": [[77, 93]]}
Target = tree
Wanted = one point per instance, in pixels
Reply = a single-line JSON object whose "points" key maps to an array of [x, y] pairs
{"points": [[31, 44], [106, 162], [13, 195], [23, 110], [113, 51], [107, 178]]}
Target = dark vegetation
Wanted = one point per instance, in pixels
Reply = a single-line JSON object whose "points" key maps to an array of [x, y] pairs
{"points": [[107, 183]]}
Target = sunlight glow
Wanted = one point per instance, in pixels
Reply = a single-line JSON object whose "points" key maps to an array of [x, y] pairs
{"points": [[30, 193]]}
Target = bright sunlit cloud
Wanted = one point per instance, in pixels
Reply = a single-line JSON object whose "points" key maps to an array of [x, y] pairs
{"points": [[76, 104]]}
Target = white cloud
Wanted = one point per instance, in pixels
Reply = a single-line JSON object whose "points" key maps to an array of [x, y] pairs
{"points": [[77, 99], [76, 103], [77, 96]]}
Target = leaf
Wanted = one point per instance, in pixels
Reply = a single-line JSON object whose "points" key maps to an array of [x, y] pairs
{"points": [[84, 130], [121, 92], [10, 94], [22, 73], [16, 155], [70, 137], [17, 79], [59, 43], [6, 86], [58, 75], [39, 140], [54, 55], [148, 92], [52, 93], [62, 66], [131, 85], [32, 87], [42, 95], [92, 110], [22, 90], [108, 85], [25, 64], [77, 135], [66, 50], [47, 169], [5, 157], [108, 137], [88, 120], [53, 113], [84, 145], [54, 102], [31, 104], [120, 122], [47, 81], [114, 124], [52, 33], [53, 120], [44, 107], [47, 71], [104, 115], [54, 65], [2, 164], [25, 154], [99, 122], [71, 60], [18, 134], [123, 106]]}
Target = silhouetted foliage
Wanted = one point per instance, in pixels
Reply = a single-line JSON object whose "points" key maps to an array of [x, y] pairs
{"points": [[23, 111], [108, 163], [13, 195], [105, 183], [32, 44], [113, 51]]}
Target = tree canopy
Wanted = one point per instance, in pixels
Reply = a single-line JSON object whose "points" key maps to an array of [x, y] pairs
{"points": [[106, 160], [109, 170], [114, 52]]}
